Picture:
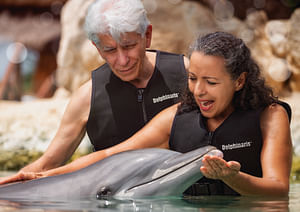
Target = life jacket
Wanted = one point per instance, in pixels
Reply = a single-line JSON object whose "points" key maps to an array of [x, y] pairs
{"points": [[119, 109], [238, 137]]}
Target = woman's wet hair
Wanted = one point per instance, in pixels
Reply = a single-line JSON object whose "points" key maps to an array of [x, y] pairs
{"points": [[115, 17], [237, 56]]}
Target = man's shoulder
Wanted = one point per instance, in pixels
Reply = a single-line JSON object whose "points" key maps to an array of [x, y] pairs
{"points": [[103, 67], [102, 74], [164, 53]]}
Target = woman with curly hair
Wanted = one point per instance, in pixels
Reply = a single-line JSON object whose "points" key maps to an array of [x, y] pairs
{"points": [[227, 105]]}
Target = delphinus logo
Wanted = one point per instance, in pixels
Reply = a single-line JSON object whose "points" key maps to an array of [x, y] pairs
{"points": [[236, 145], [165, 97]]}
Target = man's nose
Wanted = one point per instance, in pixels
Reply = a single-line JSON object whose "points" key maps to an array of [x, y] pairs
{"points": [[122, 57]]}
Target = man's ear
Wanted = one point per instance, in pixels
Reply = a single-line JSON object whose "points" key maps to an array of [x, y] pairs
{"points": [[94, 44], [240, 82], [148, 36]]}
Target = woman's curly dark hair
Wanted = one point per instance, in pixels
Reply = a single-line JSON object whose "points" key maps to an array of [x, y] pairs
{"points": [[237, 56]]}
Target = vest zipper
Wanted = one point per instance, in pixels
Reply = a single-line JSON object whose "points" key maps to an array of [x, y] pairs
{"points": [[210, 137], [140, 98]]}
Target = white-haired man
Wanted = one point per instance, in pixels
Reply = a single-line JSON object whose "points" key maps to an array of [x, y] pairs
{"points": [[124, 94]]}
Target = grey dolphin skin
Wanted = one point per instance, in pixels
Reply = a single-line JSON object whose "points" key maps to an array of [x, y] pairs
{"points": [[135, 173]]}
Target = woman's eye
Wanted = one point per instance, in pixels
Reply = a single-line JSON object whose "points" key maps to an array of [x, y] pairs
{"points": [[211, 83]]}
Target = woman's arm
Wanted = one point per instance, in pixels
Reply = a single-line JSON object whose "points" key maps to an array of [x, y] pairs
{"points": [[276, 158]]}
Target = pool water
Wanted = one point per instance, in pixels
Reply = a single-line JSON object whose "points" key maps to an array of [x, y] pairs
{"points": [[171, 204]]}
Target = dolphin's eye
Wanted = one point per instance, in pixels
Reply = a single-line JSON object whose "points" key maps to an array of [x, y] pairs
{"points": [[103, 192]]}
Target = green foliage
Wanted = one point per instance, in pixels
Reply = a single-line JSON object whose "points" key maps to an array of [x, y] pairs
{"points": [[295, 175], [15, 160]]}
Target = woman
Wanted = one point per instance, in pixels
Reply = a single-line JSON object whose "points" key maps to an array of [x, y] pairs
{"points": [[227, 105]]}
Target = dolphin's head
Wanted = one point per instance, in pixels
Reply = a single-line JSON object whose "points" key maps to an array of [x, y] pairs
{"points": [[136, 173], [153, 172]]}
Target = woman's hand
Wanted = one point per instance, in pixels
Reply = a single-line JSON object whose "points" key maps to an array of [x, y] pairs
{"points": [[21, 176], [215, 167]]}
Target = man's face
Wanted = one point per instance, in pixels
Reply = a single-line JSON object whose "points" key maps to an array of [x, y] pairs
{"points": [[126, 57]]}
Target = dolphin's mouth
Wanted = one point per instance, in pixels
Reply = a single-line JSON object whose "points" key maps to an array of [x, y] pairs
{"points": [[178, 163]]}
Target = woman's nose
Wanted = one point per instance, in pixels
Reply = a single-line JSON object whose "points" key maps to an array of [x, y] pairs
{"points": [[199, 89]]}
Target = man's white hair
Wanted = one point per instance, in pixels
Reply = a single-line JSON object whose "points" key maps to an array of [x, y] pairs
{"points": [[115, 17]]}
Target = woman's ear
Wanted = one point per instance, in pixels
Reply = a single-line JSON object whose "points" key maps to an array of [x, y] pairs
{"points": [[240, 82]]}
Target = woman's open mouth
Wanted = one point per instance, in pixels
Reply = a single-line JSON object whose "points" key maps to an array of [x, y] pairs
{"points": [[205, 105]]}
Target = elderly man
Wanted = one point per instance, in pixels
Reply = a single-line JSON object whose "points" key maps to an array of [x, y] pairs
{"points": [[124, 94]]}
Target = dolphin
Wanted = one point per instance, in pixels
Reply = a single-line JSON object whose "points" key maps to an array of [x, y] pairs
{"points": [[130, 174]]}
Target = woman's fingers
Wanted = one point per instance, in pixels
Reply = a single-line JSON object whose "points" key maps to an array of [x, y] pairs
{"points": [[217, 168]]}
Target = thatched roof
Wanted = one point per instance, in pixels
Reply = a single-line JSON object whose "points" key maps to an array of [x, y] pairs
{"points": [[31, 22], [37, 3], [32, 31]]}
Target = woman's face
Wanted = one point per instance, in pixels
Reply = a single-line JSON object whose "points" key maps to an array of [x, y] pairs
{"points": [[211, 85]]}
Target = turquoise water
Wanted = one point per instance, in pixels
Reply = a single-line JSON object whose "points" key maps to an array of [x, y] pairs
{"points": [[171, 204]]}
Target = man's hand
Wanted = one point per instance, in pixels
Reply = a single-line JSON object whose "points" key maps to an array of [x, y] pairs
{"points": [[215, 167], [20, 176]]}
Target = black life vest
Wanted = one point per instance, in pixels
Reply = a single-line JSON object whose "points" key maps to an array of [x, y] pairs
{"points": [[238, 137], [119, 109]]}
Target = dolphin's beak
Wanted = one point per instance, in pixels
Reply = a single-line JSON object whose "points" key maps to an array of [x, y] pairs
{"points": [[180, 162]]}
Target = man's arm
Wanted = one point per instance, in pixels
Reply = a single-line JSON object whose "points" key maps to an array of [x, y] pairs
{"points": [[155, 134], [69, 135]]}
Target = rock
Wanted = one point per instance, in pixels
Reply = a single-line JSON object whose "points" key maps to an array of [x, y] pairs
{"points": [[295, 82], [167, 36], [278, 69], [276, 49], [31, 125], [77, 57], [75, 53], [277, 34], [293, 57], [294, 42], [27, 128], [256, 22]]}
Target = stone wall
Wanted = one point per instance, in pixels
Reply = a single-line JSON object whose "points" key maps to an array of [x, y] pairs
{"points": [[274, 44]]}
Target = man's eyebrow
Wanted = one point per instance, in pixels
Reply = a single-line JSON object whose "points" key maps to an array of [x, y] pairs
{"points": [[126, 42]]}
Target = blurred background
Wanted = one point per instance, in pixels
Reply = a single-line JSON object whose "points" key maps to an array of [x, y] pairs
{"points": [[45, 56]]}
